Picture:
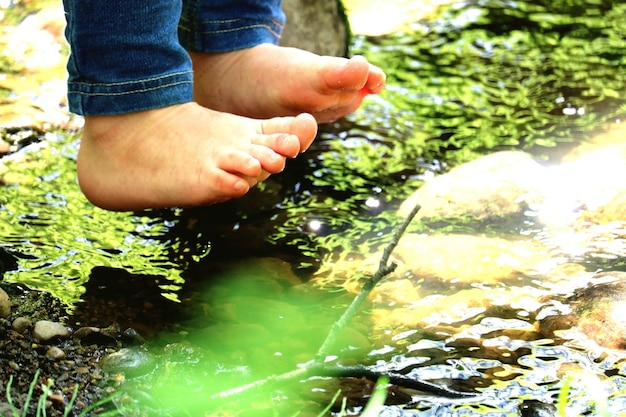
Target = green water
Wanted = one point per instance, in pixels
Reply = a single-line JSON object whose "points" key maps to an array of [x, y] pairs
{"points": [[481, 76]]}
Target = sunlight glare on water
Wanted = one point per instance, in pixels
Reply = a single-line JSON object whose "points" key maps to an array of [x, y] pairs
{"points": [[260, 280]]}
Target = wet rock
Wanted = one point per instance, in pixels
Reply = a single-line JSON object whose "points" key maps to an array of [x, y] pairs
{"points": [[590, 182], [5, 304], [131, 362], [597, 174], [141, 305], [433, 310], [468, 259], [534, 408], [228, 337], [399, 291], [112, 332], [596, 311], [46, 331], [132, 337], [319, 26], [4, 147], [272, 314], [493, 186], [21, 325], [56, 353], [93, 335], [451, 258], [613, 211]]}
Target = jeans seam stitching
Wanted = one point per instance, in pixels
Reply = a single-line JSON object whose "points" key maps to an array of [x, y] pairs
{"points": [[269, 28], [84, 93], [143, 80]]}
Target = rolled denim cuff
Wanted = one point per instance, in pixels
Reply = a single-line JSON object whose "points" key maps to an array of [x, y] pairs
{"points": [[124, 97], [125, 56]]}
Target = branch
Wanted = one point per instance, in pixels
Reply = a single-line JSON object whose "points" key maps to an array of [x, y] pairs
{"points": [[362, 371], [384, 269], [317, 367]]}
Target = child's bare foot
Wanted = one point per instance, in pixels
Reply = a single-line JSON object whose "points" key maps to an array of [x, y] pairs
{"points": [[183, 155], [268, 80]]}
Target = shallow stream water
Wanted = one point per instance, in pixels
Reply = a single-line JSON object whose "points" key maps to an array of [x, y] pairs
{"points": [[223, 292]]}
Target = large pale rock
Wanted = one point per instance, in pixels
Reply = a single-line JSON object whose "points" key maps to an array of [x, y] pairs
{"points": [[596, 174], [448, 259], [469, 259], [493, 186], [613, 211]]}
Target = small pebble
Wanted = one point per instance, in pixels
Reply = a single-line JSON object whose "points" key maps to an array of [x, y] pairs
{"points": [[5, 304], [5, 147], [56, 398], [45, 331], [131, 336], [56, 353], [7, 410], [93, 335], [21, 325]]}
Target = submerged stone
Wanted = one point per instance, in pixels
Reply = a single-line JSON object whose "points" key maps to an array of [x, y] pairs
{"points": [[433, 310], [598, 311], [468, 259], [130, 362], [493, 186], [535, 408]]}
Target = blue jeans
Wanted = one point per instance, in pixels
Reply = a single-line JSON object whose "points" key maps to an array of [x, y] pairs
{"points": [[131, 55]]}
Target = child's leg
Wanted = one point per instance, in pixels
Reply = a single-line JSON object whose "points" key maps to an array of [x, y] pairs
{"points": [[145, 144], [239, 69]]}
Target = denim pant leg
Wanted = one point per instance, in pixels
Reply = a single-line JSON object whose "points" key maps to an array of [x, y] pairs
{"points": [[229, 25], [125, 56]]}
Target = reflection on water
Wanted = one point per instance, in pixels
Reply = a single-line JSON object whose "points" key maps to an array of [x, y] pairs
{"points": [[476, 78], [59, 237]]}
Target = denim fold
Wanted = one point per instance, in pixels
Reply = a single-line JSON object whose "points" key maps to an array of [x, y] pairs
{"points": [[131, 55], [223, 26]]}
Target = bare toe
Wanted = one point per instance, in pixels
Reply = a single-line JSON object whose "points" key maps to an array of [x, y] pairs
{"points": [[224, 186], [284, 144], [376, 80], [271, 161], [350, 75], [304, 126], [301, 132], [241, 163]]}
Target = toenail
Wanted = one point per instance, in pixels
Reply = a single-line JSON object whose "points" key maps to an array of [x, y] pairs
{"points": [[239, 186]]}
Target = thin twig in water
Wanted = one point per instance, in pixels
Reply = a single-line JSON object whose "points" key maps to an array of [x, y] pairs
{"points": [[384, 268], [319, 368]]}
